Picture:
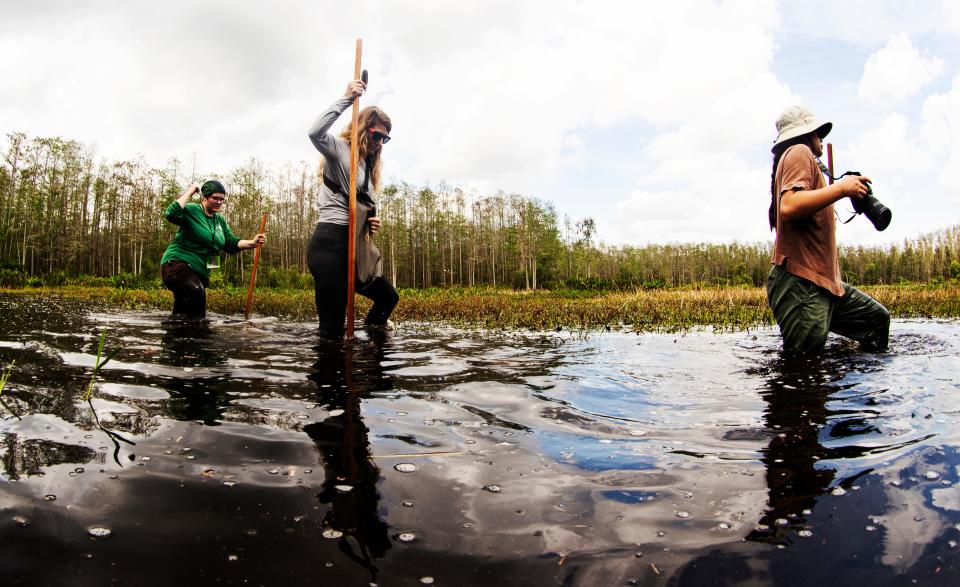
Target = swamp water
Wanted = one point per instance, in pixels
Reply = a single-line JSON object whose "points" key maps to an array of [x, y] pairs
{"points": [[252, 453]]}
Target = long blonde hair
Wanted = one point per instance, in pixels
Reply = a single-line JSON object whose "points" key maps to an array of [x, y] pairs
{"points": [[369, 116]]}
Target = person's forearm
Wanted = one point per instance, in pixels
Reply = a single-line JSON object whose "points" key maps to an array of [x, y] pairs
{"points": [[185, 196], [318, 130], [799, 205]]}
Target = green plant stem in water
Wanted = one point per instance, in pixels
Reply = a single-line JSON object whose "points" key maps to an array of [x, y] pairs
{"points": [[97, 365]]}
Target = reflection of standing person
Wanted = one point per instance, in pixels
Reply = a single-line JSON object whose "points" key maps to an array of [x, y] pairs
{"points": [[327, 251], [203, 233], [342, 439], [804, 289]]}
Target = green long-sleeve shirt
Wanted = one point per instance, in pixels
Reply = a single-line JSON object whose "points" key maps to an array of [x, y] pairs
{"points": [[199, 236]]}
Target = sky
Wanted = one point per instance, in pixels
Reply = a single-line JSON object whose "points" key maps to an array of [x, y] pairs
{"points": [[654, 118]]}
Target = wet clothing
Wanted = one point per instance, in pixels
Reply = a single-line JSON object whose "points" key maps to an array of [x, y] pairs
{"points": [[806, 312], [810, 244], [327, 250], [804, 289], [183, 267], [327, 260], [188, 287]]}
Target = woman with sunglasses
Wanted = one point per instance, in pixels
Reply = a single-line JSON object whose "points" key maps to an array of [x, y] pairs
{"points": [[203, 234], [327, 250]]}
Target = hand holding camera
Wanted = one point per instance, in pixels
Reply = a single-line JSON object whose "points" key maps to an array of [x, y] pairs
{"points": [[866, 203]]}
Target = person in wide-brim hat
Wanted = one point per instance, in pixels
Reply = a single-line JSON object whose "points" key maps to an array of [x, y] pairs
{"points": [[805, 290], [797, 121]]}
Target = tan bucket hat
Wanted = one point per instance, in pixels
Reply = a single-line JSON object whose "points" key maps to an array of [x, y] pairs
{"points": [[797, 121]]}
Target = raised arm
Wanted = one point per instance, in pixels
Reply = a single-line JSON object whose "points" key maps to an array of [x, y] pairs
{"points": [[174, 212], [319, 135]]}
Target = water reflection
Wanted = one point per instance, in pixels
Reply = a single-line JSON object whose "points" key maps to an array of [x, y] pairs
{"points": [[189, 345], [796, 393], [344, 373]]}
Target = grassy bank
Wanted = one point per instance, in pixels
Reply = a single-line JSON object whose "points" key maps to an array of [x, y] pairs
{"points": [[726, 308]]}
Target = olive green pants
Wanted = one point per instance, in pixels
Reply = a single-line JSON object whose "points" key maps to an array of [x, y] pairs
{"points": [[806, 312]]}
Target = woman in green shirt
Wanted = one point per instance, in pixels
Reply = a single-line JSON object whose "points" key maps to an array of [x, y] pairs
{"points": [[203, 233]]}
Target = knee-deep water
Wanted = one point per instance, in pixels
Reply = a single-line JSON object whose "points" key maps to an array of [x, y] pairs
{"points": [[257, 454]]}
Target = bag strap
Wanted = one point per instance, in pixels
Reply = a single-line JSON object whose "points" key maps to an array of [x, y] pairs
{"points": [[363, 192]]}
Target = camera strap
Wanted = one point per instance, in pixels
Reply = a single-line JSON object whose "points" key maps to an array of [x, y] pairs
{"points": [[826, 171]]}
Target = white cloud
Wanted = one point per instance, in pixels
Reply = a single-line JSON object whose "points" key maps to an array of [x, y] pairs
{"points": [[896, 72], [666, 106], [941, 132]]}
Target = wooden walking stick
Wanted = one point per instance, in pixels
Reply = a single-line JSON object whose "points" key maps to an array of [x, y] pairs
{"points": [[351, 222], [253, 274]]}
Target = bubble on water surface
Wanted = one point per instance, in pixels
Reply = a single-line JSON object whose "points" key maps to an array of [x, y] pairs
{"points": [[405, 467], [50, 497], [274, 471], [332, 534], [805, 533], [408, 504], [838, 491], [683, 515], [232, 557], [99, 532], [871, 528], [781, 522], [932, 475], [344, 488], [229, 483], [492, 488], [335, 413], [406, 537], [723, 526], [426, 580]]}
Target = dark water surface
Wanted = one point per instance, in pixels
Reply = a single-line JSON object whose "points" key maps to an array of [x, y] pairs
{"points": [[253, 454]]}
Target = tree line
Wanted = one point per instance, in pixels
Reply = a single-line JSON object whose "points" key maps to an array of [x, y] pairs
{"points": [[64, 214]]}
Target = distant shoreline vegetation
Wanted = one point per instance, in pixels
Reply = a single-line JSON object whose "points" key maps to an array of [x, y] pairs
{"points": [[671, 309], [68, 217]]}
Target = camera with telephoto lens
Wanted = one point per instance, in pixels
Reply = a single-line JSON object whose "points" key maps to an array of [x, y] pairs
{"points": [[871, 207]]}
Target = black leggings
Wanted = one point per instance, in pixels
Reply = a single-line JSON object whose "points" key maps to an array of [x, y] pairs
{"points": [[188, 287], [327, 260]]}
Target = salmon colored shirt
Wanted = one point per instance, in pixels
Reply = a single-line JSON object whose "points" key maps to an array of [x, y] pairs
{"points": [[806, 248]]}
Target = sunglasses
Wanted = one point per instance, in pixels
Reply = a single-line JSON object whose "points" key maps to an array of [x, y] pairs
{"points": [[379, 136]]}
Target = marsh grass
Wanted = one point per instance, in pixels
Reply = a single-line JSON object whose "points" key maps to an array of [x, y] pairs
{"points": [[722, 308], [3, 384]]}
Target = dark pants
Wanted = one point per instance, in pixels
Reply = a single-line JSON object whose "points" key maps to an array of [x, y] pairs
{"points": [[188, 287], [327, 260], [806, 312]]}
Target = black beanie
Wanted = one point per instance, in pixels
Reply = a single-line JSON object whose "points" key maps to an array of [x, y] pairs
{"points": [[212, 187]]}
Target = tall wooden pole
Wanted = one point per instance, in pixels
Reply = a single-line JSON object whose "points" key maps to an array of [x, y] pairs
{"points": [[352, 221], [253, 274]]}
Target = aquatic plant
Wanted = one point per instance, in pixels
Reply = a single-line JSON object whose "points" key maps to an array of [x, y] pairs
{"points": [[97, 365], [672, 309], [6, 375], [88, 397], [3, 383]]}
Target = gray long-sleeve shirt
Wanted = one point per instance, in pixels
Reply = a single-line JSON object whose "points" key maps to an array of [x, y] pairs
{"points": [[335, 208]]}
